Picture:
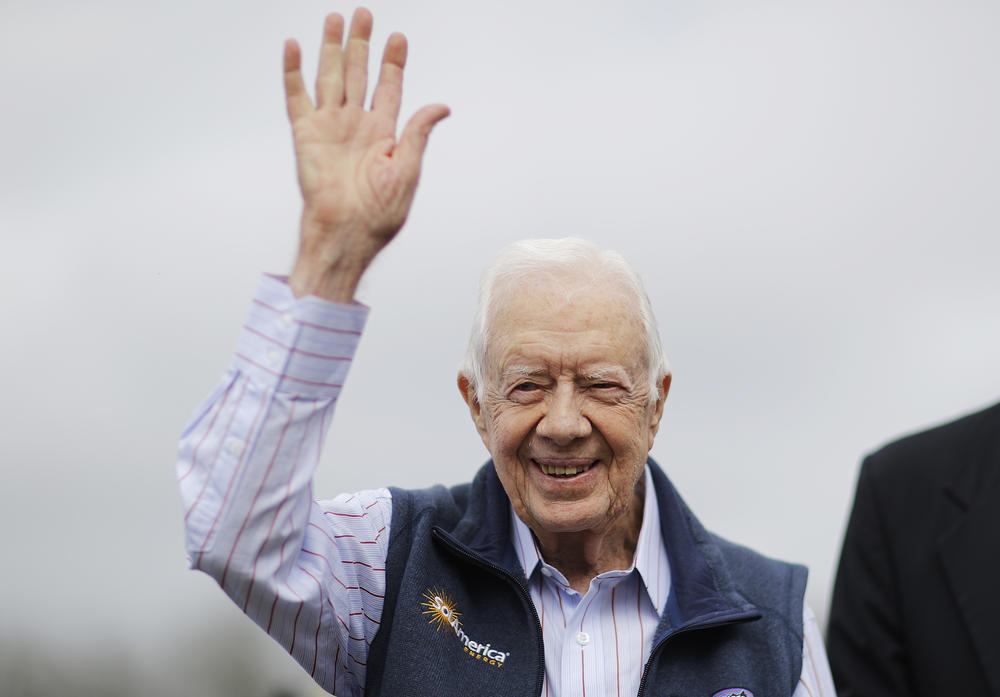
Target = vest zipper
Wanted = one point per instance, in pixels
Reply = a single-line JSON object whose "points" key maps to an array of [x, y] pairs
{"points": [[502, 573]]}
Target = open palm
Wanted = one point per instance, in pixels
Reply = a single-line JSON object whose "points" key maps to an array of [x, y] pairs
{"points": [[357, 180]]}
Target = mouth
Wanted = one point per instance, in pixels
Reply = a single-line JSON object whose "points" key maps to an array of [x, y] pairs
{"points": [[565, 468]]}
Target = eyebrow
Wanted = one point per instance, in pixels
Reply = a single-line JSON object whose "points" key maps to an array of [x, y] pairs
{"points": [[512, 372], [596, 375], [616, 374]]}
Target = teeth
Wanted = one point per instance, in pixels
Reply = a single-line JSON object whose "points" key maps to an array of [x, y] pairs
{"points": [[558, 470]]}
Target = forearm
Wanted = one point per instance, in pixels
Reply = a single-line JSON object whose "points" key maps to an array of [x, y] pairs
{"points": [[245, 471], [261, 432]]}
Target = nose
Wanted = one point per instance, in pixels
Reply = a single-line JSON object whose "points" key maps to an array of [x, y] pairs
{"points": [[563, 420]]}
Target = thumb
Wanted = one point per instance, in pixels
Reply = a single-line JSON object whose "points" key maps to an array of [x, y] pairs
{"points": [[413, 142]]}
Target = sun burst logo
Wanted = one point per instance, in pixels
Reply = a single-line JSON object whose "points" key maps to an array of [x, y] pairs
{"points": [[444, 613], [441, 609]]}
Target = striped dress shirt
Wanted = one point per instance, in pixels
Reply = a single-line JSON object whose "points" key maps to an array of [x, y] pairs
{"points": [[597, 643], [312, 573]]}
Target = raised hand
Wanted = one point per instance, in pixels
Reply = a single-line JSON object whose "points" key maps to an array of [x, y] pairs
{"points": [[357, 180]]}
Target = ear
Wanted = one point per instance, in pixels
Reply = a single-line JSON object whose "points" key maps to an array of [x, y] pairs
{"points": [[657, 411], [475, 408]]}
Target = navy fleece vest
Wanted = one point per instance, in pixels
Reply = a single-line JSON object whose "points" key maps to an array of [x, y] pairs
{"points": [[458, 618]]}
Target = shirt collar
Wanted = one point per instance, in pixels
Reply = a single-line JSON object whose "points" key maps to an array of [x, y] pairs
{"points": [[650, 559]]}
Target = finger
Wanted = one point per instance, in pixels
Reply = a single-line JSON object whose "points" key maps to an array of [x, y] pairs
{"points": [[330, 78], [296, 98], [413, 142], [389, 90], [356, 57]]}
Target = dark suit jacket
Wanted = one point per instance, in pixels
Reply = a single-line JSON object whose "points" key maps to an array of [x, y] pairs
{"points": [[916, 604]]}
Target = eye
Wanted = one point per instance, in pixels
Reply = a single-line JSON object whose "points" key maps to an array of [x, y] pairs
{"points": [[526, 391], [604, 386]]}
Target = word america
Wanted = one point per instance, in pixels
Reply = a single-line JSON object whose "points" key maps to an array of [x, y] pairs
{"points": [[481, 652]]}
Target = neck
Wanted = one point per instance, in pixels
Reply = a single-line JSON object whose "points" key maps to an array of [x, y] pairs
{"points": [[580, 556]]}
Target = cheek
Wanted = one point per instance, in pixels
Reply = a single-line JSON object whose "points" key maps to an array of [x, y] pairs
{"points": [[628, 430], [505, 432], [629, 440]]}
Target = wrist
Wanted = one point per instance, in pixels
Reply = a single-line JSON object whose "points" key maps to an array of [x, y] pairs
{"points": [[329, 284], [331, 261]]}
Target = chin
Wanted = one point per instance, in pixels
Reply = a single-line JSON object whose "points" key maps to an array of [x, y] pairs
{"points": [[576, 521]]}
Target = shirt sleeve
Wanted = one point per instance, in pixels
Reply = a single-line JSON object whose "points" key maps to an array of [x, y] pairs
{"points": [[311, 574], [816, 680]]}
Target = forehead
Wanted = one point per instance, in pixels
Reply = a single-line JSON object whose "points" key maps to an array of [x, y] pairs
{"points": [[567, 321]]}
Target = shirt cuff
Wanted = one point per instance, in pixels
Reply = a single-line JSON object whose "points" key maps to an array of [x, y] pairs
{"points": [[303, 345]]}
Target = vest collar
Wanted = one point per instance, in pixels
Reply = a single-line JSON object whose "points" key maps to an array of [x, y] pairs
{"points": [[701, 592]]}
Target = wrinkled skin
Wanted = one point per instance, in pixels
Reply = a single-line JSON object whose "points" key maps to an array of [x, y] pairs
{"points": [[357, 180], [567, 386]]}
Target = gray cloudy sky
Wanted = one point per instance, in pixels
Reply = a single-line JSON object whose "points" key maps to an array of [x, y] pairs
{"points": [[808, 188]]}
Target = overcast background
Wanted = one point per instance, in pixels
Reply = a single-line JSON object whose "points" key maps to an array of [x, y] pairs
{"points": [[808, 188]]}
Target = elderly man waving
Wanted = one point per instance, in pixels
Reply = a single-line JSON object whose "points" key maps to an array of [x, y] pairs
{"points": [[569, 565]]}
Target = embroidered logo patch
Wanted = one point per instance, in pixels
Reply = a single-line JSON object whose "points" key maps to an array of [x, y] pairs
{"points": [[444, 613], [734, 692], [441, 608]]}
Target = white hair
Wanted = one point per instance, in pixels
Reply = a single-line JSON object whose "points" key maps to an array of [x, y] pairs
{"points": [[553, 258]]}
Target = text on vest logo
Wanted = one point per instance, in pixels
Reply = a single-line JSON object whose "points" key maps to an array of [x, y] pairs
{"points": [[444, 613]]}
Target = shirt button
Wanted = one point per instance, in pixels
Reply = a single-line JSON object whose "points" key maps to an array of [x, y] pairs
{"points": [[272, 357], [287, 320], [233, 447], [582, 638], [546, 572]]}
